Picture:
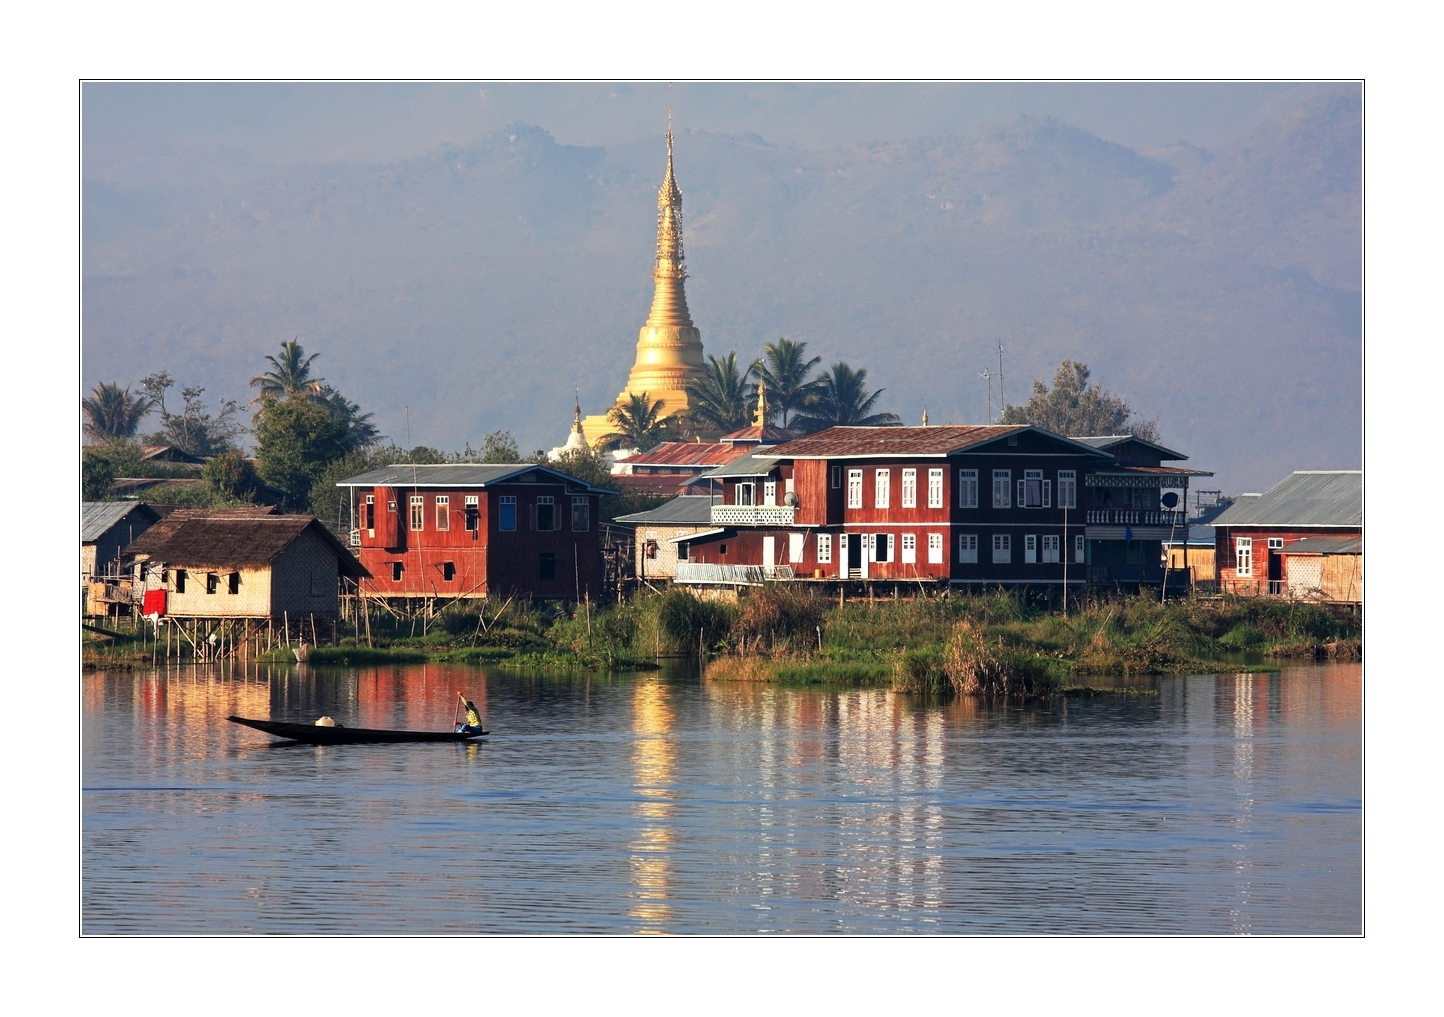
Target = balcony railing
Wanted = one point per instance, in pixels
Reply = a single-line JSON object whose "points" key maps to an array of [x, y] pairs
{"points": [[736, 575], [752, 515], [1134, 517]]}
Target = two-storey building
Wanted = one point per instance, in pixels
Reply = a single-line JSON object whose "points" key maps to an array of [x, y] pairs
{"points": [[466, 531]]}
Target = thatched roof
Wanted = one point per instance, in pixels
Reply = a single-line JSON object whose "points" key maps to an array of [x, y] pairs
{"points": [[228, 542]]}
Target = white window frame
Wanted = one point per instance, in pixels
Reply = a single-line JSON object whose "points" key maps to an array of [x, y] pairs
{"points": [[881, 543], [881, 488], [502, 502], [746, 493], [443, 511], [1002, 489], [370, 515], [1050, 550], [967, 549], [1080, 552], [472, 502], [1068, 489], [1029, 495], [1002, 549], [935, 548], [910, 488], [1276, 543], [418, 513], [854, 489], [824, 549], [909, 549], [769, 492], [935, 489], [1030, 549], [584, 503], [1243, 556], [968, 489], [796, 547]]}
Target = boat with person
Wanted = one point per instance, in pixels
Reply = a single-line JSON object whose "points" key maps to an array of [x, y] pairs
{"points": [[327, 732]]}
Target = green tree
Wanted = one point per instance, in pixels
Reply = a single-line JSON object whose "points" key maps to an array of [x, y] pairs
{"points": [[112, 413], [289, 376], [97, 475], [295, 441], [785, 369], [638, 424], [1076, 409], [193, 429], [723, 399], [842, 398], [499, 447], [231, 475]]}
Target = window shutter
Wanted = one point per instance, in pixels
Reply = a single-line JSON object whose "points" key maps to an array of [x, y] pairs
{"points": [[1022, 495], [1047, 494]]}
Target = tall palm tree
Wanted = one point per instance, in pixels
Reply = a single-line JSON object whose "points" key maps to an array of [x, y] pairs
{"points": [[842, 398], [784, 368], [290, 376], [638, 424], [723, 398], [112, 413]]}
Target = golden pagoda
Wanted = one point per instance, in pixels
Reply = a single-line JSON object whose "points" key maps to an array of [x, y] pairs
{"points": [[669, 346]]}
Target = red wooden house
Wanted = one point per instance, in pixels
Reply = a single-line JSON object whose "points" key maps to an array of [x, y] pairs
{"points": [[459, 531], [967, 505]]}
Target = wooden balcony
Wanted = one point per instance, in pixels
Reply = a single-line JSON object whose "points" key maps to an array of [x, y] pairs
{"points": [[752, 515]]}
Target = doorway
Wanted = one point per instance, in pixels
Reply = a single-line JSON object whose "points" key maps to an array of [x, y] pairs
{"points": [[856, 560]]}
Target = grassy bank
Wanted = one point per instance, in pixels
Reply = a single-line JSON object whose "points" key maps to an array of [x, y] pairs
{"points": [[966, 643]]}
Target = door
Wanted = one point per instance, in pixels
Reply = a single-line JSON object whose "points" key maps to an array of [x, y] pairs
{"points": [[796, 547], [856, 560], [769, 551]]}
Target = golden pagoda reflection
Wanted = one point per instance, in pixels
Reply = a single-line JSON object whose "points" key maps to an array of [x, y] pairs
{"points": [[669, 346], [653, 763]]}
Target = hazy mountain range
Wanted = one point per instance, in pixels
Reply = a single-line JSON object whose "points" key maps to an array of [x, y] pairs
{"points": [[1218, 290]]}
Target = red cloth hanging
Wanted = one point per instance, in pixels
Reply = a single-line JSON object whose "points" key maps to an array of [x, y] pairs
{"points": [[154, 602]]}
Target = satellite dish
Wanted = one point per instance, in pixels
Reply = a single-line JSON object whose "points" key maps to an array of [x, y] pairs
{"points": [[1169, 499], [790, 499]]}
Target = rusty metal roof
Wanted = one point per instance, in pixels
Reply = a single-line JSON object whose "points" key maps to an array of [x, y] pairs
{"points": [[461, 475], [702, 455], [768, 435], [869, 442], [193, 540]]}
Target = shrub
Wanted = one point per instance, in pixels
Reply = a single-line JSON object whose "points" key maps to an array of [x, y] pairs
{"points": [[683, 618], [777, 611], [975, 668]]}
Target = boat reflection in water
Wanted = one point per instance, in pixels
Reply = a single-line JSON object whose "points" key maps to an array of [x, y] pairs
{"points": [[653, 766]]}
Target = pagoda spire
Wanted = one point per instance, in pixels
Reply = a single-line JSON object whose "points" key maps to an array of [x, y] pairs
{"points": [[761, 419], [669, 300]]}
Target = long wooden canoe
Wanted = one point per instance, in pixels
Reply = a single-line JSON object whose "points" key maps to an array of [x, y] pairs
{"points": [[313, 735]]}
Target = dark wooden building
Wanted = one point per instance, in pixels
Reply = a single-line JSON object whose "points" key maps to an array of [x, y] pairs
{"points": [[457, 531]]}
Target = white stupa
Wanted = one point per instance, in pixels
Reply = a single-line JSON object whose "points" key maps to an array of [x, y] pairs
{"points": [[576, 441]]}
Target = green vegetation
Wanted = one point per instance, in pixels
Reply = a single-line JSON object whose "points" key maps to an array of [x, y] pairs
{"points": [[1074, 408]]}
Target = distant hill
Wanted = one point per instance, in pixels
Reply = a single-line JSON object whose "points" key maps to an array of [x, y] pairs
{"points": [[1218, 291]]}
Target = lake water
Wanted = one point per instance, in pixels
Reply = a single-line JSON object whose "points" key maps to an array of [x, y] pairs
{"points": [[664, 803]]}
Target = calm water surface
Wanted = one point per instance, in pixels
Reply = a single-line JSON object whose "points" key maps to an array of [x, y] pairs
{"points": [[664, 803]]}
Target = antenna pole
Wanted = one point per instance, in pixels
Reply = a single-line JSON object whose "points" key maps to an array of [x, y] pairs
{"points": [[1002, 391]]}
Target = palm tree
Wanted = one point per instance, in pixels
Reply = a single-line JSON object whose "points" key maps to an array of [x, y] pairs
{"points": [[638, 424], [785, 372], [361, 432], [723, 398], [112, 413], [842, 398], [290, 376]]}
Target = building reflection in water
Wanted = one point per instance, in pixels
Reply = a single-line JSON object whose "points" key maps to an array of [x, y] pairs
{"points": [[654, 761]]}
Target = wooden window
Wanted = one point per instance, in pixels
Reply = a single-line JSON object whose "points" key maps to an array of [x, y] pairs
{"points": [[824, 548], [1030, 549], [370, 520], [910, 489], [649, 549], [836, 478], [935, 548], [1068, 489], [721, 548], [967, 489], [1051, 543], [1002, 489], [180, 580], [1243, 555], [233, 583], [746, 494], [882, 484], [506, 512], [397, 569], [443, 512], [1034, 491], [935, 490], [546, 566], [581, 514], [881, 544], [473, 512], [418, 513], [212, 582], [909, 548], [854, 489], [1002, 549], [967, 548], [546, 513], [448, 571], [1276, 543]]}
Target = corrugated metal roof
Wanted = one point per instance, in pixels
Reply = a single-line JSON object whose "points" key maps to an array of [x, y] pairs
{"points": [[230, 542], [686, 510], [98, 516], [1108, 441], [702, 455], [1171, 471], [1326, 545], [1197, 534], [768, 435], [750, 464], [457, 475], [1304, 498], [862, 442]]}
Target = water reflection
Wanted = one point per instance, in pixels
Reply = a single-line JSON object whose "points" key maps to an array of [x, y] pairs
{"points": [[668, 803], [653, 764]]}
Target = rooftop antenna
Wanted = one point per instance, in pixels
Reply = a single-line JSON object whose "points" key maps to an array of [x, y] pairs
{"points": [[988, 377], [1002, 392]]}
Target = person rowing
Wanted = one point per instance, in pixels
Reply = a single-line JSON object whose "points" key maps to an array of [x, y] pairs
{"points": [[473, 718]]}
